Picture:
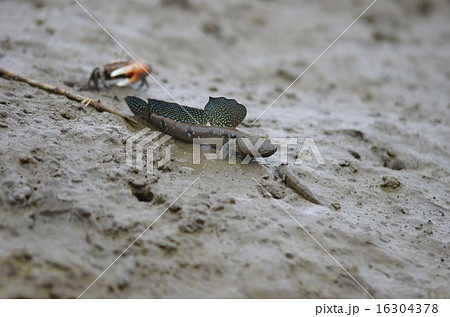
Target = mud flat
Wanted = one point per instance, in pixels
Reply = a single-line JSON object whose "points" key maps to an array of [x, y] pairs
{"points": [[376, 104]]}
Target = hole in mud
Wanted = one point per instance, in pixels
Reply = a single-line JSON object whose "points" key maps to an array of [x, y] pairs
{"points": [[142, 194], [200, 221]]}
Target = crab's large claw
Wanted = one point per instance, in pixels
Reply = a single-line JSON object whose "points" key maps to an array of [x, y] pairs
{"points": [[125, 82], [132, 73]]}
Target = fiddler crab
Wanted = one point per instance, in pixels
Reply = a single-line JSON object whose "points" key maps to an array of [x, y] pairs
{"points": [[131, 71]]}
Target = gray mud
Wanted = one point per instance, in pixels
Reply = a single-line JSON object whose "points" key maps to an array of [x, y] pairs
{"points": [[376, 105]]}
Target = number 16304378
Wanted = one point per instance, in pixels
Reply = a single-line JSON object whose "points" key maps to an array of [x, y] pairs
{"points": [[404, 308]]}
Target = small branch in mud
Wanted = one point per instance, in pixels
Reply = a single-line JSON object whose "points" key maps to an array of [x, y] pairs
{"points": [[294, 182], [98, 105]]}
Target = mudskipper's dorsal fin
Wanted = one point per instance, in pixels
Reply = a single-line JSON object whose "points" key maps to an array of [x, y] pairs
{"points": [[138, 106], [177, 112], [224, 112], [221, 112]]}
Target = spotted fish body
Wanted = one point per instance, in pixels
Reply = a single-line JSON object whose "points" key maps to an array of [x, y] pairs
{"points": [[219, 112], [165, 109], [219, 119]]}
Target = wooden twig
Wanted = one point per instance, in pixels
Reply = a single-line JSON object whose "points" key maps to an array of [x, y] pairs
{"points": [[59, 91], [294, 182]]}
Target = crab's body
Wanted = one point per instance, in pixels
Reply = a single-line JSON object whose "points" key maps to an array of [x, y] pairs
{"points": [[128, 71]]}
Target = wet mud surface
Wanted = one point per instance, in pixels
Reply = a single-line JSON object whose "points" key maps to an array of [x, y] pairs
{"points": [[376, 104]]}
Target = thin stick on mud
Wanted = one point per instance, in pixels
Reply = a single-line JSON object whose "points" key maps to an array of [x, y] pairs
{"points": [[294, 182], [59, 91]]}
